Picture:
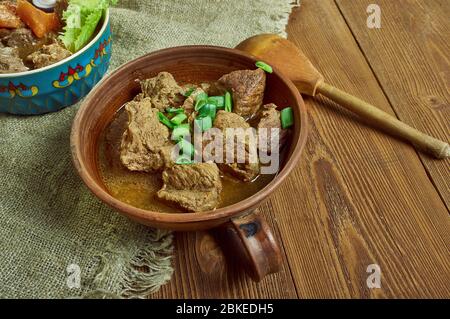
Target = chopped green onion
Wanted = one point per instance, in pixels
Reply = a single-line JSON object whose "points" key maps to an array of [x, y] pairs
{"points": [[180, 131], [189, 92], [211, 101], [204, 123], [200, 100], [287, 117], [208, 110], [201, 96], [184, 160], [228, 102], [264, 66], [174, 110], [198, 124], [199, 104], [218, 100], [185, 125], [179, 118], [186, 148], [164, 120]]}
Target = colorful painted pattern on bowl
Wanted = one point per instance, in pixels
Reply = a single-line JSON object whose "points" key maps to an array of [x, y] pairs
{"points": [[58, 86]]}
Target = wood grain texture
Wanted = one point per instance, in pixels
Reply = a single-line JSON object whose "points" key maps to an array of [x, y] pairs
{"points": [[358, 197], [203, 269], [409, 55]]}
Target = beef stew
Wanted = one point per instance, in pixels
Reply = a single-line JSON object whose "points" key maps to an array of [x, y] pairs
{"points": [[139, 152]]}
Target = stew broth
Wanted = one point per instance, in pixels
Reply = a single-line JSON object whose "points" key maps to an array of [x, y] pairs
{"points": [[139, 189]]}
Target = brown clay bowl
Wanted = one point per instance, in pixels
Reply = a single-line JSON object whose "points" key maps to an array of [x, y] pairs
{"points": [[191, 64]]}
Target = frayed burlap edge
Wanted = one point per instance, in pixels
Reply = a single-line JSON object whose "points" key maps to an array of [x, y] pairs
{"points": [[140, 274]]}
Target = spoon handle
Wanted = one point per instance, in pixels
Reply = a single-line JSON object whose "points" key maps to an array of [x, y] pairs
{"points": [[383, 120]]}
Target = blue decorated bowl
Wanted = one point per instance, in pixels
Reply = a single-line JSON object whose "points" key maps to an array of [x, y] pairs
{"points": [[62, 84]]}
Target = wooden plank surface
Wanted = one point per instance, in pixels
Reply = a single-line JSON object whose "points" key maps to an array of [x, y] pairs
{"points": [[361, 196], [357, 197], [203, 271], [409, 55]]}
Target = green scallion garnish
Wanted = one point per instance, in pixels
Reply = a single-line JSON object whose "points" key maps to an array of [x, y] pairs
{"points": [[200, 100], [186, 148], [264, 66], [219, 101], [199, 104], [180, 132], [164, 120], [174, 110], [287, 117], [201, 96], [208, 110], [204, 123], [228, 102], [178, 119]]}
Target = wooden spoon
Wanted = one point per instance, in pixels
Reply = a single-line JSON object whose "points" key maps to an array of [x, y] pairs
{"points": [[289, 59]]}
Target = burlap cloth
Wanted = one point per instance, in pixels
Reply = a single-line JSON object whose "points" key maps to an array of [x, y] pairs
{"points": [[48, 219]]}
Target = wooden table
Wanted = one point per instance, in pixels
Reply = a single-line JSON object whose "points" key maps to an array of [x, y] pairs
{"points": [[358, 197]]}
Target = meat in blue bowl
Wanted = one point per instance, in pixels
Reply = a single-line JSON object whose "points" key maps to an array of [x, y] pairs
{"points": [[45, 67]]}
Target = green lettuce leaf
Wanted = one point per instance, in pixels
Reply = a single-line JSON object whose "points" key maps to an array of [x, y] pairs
{"points": [[88, 29], [69, 37], [82, 18]]}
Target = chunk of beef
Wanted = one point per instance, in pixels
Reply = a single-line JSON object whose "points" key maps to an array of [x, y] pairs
{"points": [[4, 33], [226, 120], [145, 143], [249, 169], [162, 90], [193, 187], [139, 97], [20, 38], [269, 118], [8, 16], [207, 87], [47, 55], [10, 62], [247, 88], [24, 40]]}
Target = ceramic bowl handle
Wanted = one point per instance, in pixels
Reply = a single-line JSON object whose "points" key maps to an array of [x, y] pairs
{"points": [[254, 240]]}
